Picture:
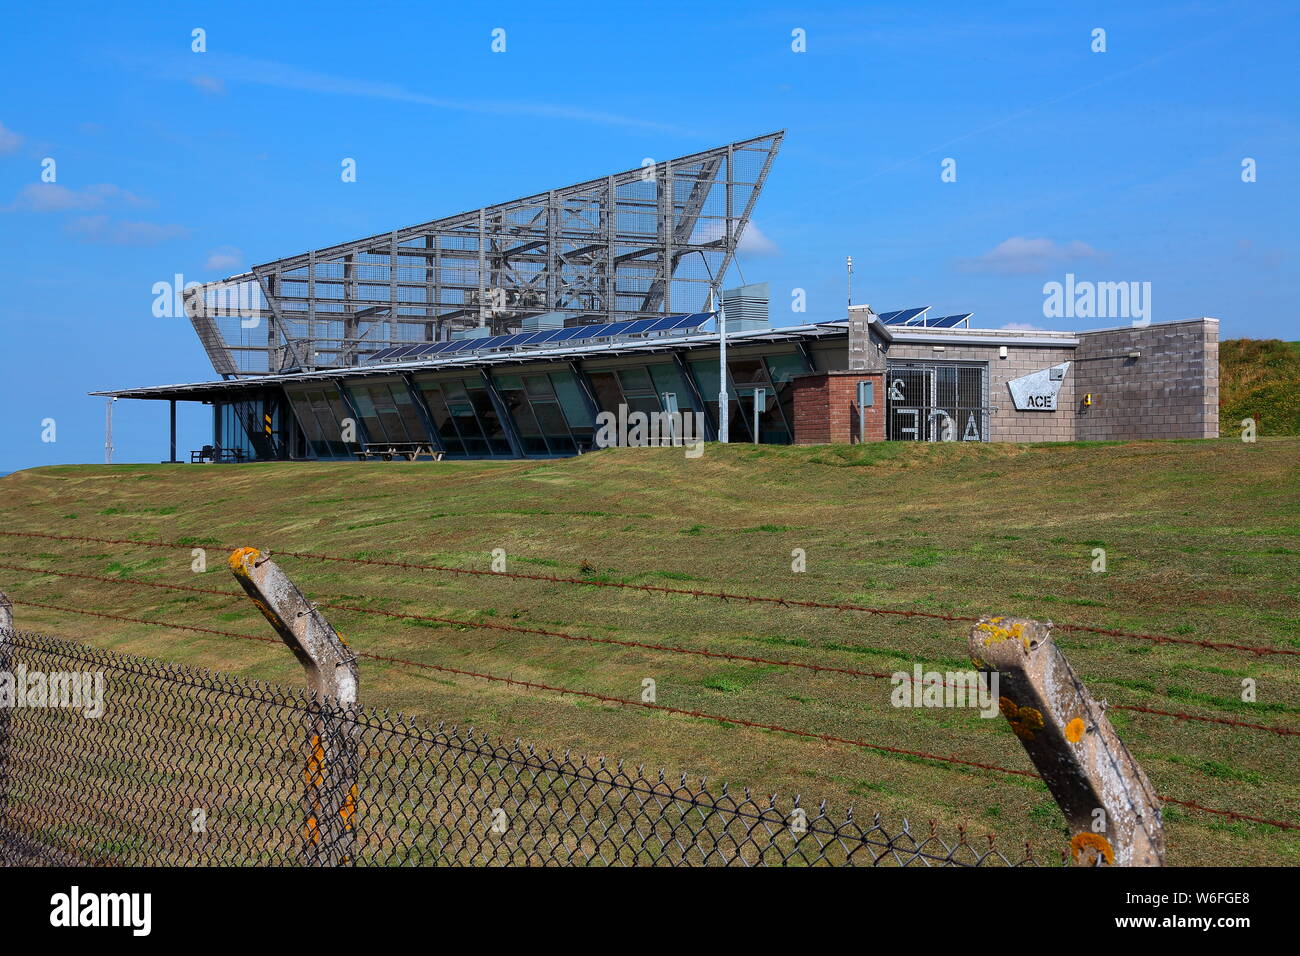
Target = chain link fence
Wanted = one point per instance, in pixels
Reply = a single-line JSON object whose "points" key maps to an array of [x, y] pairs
{"points": [[187, 767]]}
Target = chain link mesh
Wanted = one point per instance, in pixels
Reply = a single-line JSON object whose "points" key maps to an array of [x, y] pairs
{"points": [[187, 767]]}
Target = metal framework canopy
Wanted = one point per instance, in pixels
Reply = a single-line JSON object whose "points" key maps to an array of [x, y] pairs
{"points": [[637, 244]]}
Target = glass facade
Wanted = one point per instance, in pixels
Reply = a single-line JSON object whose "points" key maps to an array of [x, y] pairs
{"points": [[463, 415], [762, 381], [252, 429], [549, 411], [388, 413], [321, 417]]}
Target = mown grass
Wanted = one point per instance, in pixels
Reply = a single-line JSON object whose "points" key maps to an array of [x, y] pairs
{"points": [[1202, 541]]}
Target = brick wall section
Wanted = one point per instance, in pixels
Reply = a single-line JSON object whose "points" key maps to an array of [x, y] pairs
{"points": [[826, 408], [1170, 391], [1006, 423]]}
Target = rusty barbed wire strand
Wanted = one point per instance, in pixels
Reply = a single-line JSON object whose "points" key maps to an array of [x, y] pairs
{"points": [[701, 715], [1257, 649], [642, 645]]}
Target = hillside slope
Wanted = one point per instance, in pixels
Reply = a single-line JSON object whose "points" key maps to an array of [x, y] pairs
{"points": [[1260, 379], [1202, 542]]}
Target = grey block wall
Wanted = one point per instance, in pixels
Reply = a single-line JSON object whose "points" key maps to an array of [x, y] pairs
{"points": [[1170, 391]]}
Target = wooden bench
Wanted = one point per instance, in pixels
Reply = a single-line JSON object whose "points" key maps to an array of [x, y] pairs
{"points": [[410, 450]]}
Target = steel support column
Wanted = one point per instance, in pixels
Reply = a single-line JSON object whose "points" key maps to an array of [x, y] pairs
{"points": [[503, 415]]}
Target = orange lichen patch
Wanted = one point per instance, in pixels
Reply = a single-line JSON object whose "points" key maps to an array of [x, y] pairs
{"points": [[349, 809], [1075, 730], [315, 773], [977, 662], [237, 560], [997, 633], [1025, 721], [1089, 849]]}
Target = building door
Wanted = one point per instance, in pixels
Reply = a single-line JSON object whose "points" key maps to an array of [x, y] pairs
{"points": [[936, 402]]}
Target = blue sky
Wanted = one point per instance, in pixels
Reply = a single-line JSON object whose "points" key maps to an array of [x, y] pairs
{"points": [[1123, 165]]}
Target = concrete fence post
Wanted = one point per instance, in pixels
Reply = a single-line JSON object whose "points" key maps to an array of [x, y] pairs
{"points": [[330, 798], [1111, 808]]}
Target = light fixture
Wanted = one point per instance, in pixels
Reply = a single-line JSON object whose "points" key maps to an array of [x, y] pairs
{"points": [[1002, 351], [1136, 353]]}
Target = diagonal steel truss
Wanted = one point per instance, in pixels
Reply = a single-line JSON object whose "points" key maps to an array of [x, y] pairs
{"points": [[644, 242]]}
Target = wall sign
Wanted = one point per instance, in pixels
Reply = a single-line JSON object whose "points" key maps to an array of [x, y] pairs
{"points": [[1037, 391]]}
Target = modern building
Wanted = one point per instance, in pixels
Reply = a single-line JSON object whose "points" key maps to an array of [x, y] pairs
{"points": [[504, 332]]}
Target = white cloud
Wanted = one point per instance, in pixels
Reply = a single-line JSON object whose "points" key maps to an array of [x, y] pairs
{"points": [[224, 259], [51, 197], [122, 232], [754, 242], [1021, 256], [229, 67], [209, 84], [9, 140]]}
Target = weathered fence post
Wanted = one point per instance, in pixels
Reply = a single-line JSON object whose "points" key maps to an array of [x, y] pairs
{"points": [[1110, 805], [331, 772]]}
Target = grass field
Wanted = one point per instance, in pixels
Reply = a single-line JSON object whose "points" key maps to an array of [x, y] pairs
{"points": [[1202, 541]]}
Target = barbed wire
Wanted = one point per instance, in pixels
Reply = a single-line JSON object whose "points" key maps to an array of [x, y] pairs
{"points": [[1257, 649], [604, 698], [643, 645]]}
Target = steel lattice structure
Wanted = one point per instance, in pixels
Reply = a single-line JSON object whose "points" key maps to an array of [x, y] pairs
{"points": [[636, 244]]}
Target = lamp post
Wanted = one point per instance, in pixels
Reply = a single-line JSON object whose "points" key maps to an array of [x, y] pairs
{"points": [[724, 401]]}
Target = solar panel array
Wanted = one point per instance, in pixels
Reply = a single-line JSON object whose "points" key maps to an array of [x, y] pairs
{"points": [[572, 335], [903, 316], [917, 318]]}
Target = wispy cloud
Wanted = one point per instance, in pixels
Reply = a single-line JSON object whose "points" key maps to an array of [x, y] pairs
{"points": [[231, 68], [209, 84], [1019, 256], [51, 197], [755, 242], [9, 140], [224, 258], [121, 232]]}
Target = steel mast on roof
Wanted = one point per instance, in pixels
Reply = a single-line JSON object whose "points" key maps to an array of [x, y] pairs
{"points": [[607, 250]]}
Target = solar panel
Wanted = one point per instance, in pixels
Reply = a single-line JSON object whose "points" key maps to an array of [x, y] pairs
{"points": [[641, 325], [692, 321], [889, 317], [573, 332], [507, 341], [947, 321], [549, 335], [381, 355]]}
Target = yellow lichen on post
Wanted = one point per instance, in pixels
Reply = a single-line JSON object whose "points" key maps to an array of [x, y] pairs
{"points": [[1112, 810], [997, 633], [236, 560]]}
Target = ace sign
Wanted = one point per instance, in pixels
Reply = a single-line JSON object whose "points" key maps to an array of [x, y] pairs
{"points": [[1038, 391]]}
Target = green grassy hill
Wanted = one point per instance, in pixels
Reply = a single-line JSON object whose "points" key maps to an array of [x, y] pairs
{"points": [[1259, 378], [1202, 540]]}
